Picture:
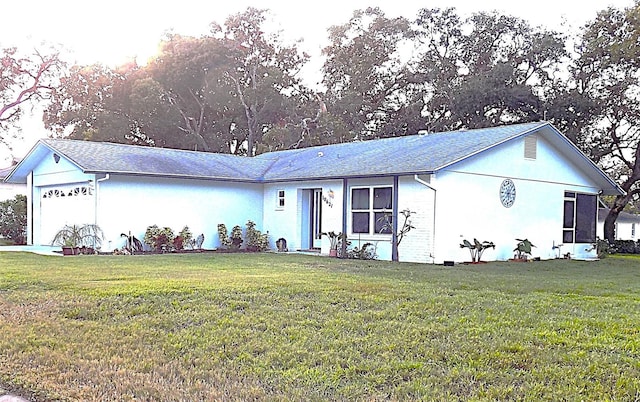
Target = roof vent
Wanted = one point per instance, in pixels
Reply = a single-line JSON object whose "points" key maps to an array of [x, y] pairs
{"points": [[530, 146], [320, 154], [423, 132]]}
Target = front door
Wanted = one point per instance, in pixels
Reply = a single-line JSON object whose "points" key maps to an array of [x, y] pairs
{"points": [[316, 218]]}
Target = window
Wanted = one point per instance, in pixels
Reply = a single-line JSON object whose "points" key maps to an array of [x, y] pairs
{"points": [[371, 210], [280, 199], [579, 222]]}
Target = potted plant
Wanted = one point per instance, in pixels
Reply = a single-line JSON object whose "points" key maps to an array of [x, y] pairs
{"points": [[72, 237], [477, 248], [334, 239], [523, 249]]}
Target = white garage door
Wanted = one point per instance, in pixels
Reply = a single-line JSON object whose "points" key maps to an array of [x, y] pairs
{"points": [[65, 205]]}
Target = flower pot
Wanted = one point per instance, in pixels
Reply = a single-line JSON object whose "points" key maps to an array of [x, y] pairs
{"points": [[333, 252], [67, 250]]}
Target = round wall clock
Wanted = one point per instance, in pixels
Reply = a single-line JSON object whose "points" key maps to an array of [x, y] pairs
{"points": [[507, 193]]}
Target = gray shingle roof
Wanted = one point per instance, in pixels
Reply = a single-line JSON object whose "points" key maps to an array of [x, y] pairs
{"points": [[391, 156], [96, 157], [399, 155]]}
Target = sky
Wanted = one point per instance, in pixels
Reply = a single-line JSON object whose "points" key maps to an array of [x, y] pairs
{"points": [[116, 31]]}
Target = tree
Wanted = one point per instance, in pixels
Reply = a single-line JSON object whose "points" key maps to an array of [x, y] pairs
{"points": [[367, 77], [263, 73], [13, 219], [487, 70], [24, 80], [607, 71], [217, 93]]}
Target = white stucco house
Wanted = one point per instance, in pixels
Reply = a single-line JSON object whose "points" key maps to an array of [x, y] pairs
{"points": [[9, 191], [495, 184], [626, 227]]}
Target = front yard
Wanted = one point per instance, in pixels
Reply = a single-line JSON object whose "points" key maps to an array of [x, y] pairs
{"points": [[294, 327]]}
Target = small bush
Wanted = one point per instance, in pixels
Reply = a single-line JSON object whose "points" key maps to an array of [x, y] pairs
{"points": [[367, 252], [236, 237], [223, 235], [626, 247], [187, 238], [13, 219], [256, 240], [159, 239]]}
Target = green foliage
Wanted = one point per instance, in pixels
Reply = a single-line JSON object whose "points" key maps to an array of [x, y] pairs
{"points": [[187, 238], [523, 248], [87, 235], [294, 327], [366, 252], [477, 248], [236, 237], [13, 219], [256, 240], [223, 235], [334, 239], [159, 239]]}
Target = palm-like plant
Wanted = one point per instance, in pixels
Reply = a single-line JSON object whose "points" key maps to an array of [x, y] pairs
{"points": [[477, 248], [88, 235]]}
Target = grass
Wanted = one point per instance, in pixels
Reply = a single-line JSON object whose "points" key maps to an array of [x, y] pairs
{"points": [[293, 327]]}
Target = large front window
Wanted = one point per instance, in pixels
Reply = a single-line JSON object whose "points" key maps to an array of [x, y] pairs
{"points": [[371, 209], [579, 223]]}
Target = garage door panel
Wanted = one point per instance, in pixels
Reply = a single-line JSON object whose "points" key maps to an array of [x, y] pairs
{"points": [[65, 205]]}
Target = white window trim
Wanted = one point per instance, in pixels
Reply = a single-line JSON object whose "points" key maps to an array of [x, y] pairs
{"points": [[280, 199], [370, 210]]}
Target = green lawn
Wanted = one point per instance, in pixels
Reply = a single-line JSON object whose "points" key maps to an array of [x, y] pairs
{"points": [[291, 327]]}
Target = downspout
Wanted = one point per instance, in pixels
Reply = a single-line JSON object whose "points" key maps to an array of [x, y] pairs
{"points": [[95, 209], [394, 231], [433, 232], [30, 201], [344, 218]]}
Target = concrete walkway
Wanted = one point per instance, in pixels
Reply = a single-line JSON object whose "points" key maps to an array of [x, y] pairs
{"points": [[42, 250]]}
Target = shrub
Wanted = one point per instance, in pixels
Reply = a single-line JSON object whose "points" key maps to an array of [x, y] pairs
{"points": [[225, 240], [367, 252], [256, 241], [626, 247], [159, 239], [187, 238], [236, 237], [13, 219], [178, 243]]}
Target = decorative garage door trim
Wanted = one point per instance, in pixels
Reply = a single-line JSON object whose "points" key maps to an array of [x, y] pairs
{"points": [[73, 191]]}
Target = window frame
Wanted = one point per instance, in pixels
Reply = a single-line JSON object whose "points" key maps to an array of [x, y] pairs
{"points": [[577, 228], [280, 199], [371, 210]]}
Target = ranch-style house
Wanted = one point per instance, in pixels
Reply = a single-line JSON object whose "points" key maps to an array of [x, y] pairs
{"points": [[493, 184]]}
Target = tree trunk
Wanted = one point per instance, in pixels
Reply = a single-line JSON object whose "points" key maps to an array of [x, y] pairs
{"points": [[610, 225], [610, 221]]}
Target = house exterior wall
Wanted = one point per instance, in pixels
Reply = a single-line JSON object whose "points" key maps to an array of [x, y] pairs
{"points": [[8, 191], [127, 203], [416, 194], [413, 195], [468, 203], [293, 221], [60, 177], [624, 230]]}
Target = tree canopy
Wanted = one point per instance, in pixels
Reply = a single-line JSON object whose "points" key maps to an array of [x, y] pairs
{"points": [[24, 79], [238, 89]]}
